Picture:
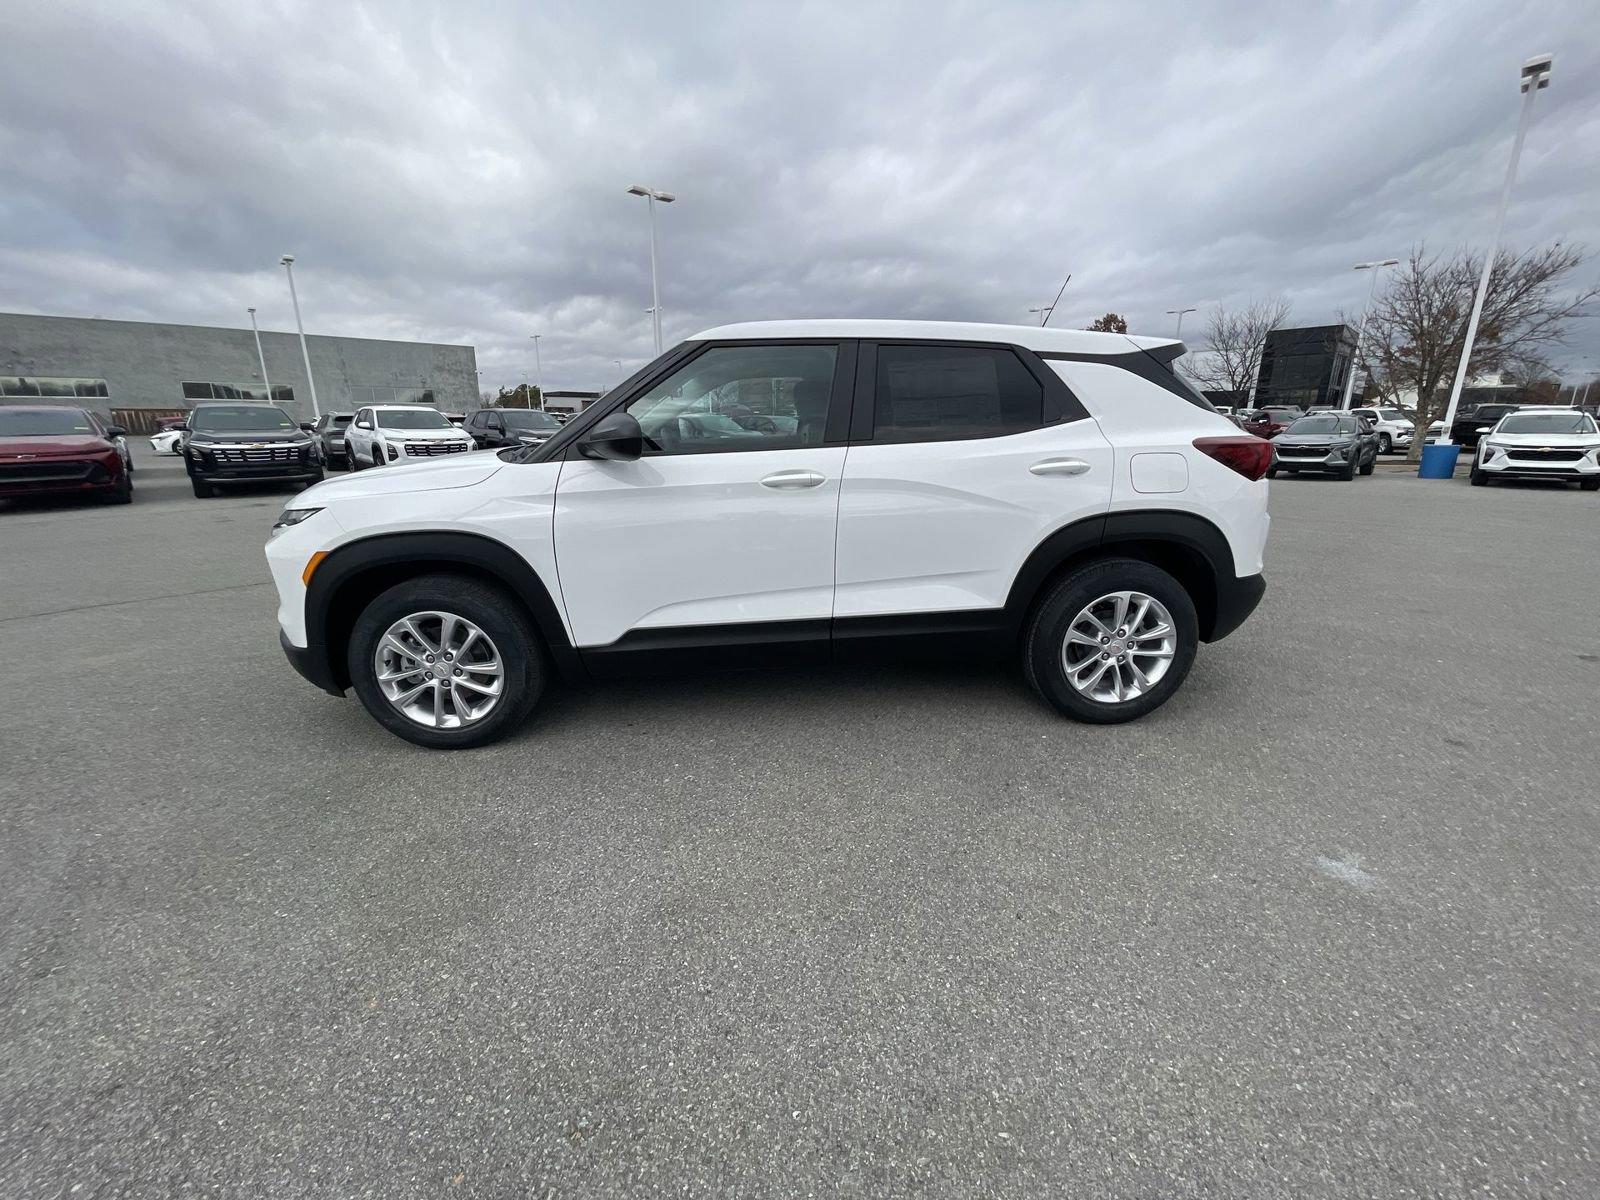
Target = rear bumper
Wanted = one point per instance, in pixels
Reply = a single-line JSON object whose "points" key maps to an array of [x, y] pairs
{"points": [[311, 663], [1237, 598]]}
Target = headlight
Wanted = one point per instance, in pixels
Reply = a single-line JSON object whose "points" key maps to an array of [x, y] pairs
{"points": [[293, 516]]}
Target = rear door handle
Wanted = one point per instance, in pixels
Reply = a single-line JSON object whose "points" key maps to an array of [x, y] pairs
{"points": [[794, 480], [1060, 466]]}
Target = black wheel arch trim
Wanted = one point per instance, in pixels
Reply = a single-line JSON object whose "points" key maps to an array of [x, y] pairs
{"points": [[1199, 554], [328, 622]]}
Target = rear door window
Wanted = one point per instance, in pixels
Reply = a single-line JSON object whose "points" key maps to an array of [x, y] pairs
{"points": [[927, 393]]}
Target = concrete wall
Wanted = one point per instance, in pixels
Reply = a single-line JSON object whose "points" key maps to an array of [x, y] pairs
{"points": [[145, 364]]}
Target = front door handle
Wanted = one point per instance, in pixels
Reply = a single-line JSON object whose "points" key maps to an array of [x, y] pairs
{"points": [[1060, 466], [794, 480]]}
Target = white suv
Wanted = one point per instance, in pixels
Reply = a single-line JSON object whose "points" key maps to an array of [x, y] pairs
{"points": [[782, 492], [1394, 429], [395, 433]]}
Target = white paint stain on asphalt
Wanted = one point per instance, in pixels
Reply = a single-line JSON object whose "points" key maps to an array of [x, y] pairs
{"points": [[1347, 870]]}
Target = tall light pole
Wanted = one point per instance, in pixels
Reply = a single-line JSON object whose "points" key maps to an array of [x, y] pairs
{"points": [[260, 357], [538, 365], [1361, 329], [652, 195], [1178, 312], [288, 265], [1535, 75]]}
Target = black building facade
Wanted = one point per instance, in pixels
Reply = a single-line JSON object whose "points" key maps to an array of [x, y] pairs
{"points": [[1306, 368]]}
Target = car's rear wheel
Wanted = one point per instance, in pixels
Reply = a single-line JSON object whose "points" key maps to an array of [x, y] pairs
{"points": [[1385, 443], [446, 662], [1112, 641]]}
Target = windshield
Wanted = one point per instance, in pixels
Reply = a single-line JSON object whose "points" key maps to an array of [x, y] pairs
{"points": [[238, 418], [412, 418], [1314, 425], [34, 423], [529, 419], [1573, 422]]}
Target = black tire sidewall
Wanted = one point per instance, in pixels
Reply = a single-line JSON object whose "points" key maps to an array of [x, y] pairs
{"points": [[1051, 620], [496, 613]]}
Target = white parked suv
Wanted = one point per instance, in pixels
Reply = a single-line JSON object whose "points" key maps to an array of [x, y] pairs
{"points": [[780, 492], [1394, 429], [1543, 442], [397, 433]]}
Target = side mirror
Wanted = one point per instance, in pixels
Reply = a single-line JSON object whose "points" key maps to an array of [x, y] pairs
{"points": [[1483, 429], [308, 426], [116, 431], [616, 438]]}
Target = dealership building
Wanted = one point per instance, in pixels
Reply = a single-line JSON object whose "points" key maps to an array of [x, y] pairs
{"points": [[137, 371]]}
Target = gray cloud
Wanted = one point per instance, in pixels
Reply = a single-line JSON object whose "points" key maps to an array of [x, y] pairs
{"points": [[458, 172]]}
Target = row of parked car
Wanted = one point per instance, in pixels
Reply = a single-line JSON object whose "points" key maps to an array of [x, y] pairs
{"points": [[232, 443]]}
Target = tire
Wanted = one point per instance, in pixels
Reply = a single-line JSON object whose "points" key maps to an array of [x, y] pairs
{"points": [[1589, 485], [1052, 621], [1385, 444], [202, 489], [1476, 477], [1272, 472], [1347, 472], [1370, 465], [502, 620], [122, 494]]}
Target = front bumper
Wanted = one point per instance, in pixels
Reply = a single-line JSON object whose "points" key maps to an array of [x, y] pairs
{"points": [[58, 476], [311, 663], [1325, 463], [1237, 598]]}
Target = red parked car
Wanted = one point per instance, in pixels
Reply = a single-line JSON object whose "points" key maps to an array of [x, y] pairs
{"points": [[45, 450], [1268, 422]]}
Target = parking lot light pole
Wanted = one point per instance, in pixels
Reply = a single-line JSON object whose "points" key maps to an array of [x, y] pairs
{"points": [[1361, 329], [288, 265], [652, 195], [1535, 76], [1178, 312], [538, 366], [260, 357]]}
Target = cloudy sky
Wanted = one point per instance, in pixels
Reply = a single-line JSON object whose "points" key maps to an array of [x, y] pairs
{"points": [[457, 172]]}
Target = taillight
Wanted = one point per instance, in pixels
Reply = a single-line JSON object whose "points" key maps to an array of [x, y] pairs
{"points": [[1250, 456]]}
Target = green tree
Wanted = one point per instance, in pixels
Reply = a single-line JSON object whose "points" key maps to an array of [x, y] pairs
{"points": [[1110, 323], [522, 396]]}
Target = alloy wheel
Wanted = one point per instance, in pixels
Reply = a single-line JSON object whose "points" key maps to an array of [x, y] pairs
{"points": [[1119, 646], [439, 670]]}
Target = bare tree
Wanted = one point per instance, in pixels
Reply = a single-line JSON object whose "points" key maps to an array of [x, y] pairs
{"points": [[1234, 341], [1418, 322]]}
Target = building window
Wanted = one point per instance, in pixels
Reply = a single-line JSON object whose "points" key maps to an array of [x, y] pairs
{"points": [[363, 395], [238, 391], [53, 386]]}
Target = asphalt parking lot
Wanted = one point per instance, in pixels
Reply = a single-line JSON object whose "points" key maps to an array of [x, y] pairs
{"points": [[1328, 924]]}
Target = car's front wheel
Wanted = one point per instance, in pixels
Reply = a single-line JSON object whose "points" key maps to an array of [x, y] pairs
{"points": [[202, 489], [446, 662], [1112, 641]]}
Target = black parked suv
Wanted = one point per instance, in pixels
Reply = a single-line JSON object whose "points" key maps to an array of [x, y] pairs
{"points": [[494, 427], [243, 443], [1464, 430]]}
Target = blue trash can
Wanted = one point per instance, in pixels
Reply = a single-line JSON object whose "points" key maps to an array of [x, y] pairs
{"points": [[1438, 460]]}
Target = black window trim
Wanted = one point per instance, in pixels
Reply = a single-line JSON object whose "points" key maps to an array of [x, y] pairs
{"points": [[1060, 405], [835, 429]]}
